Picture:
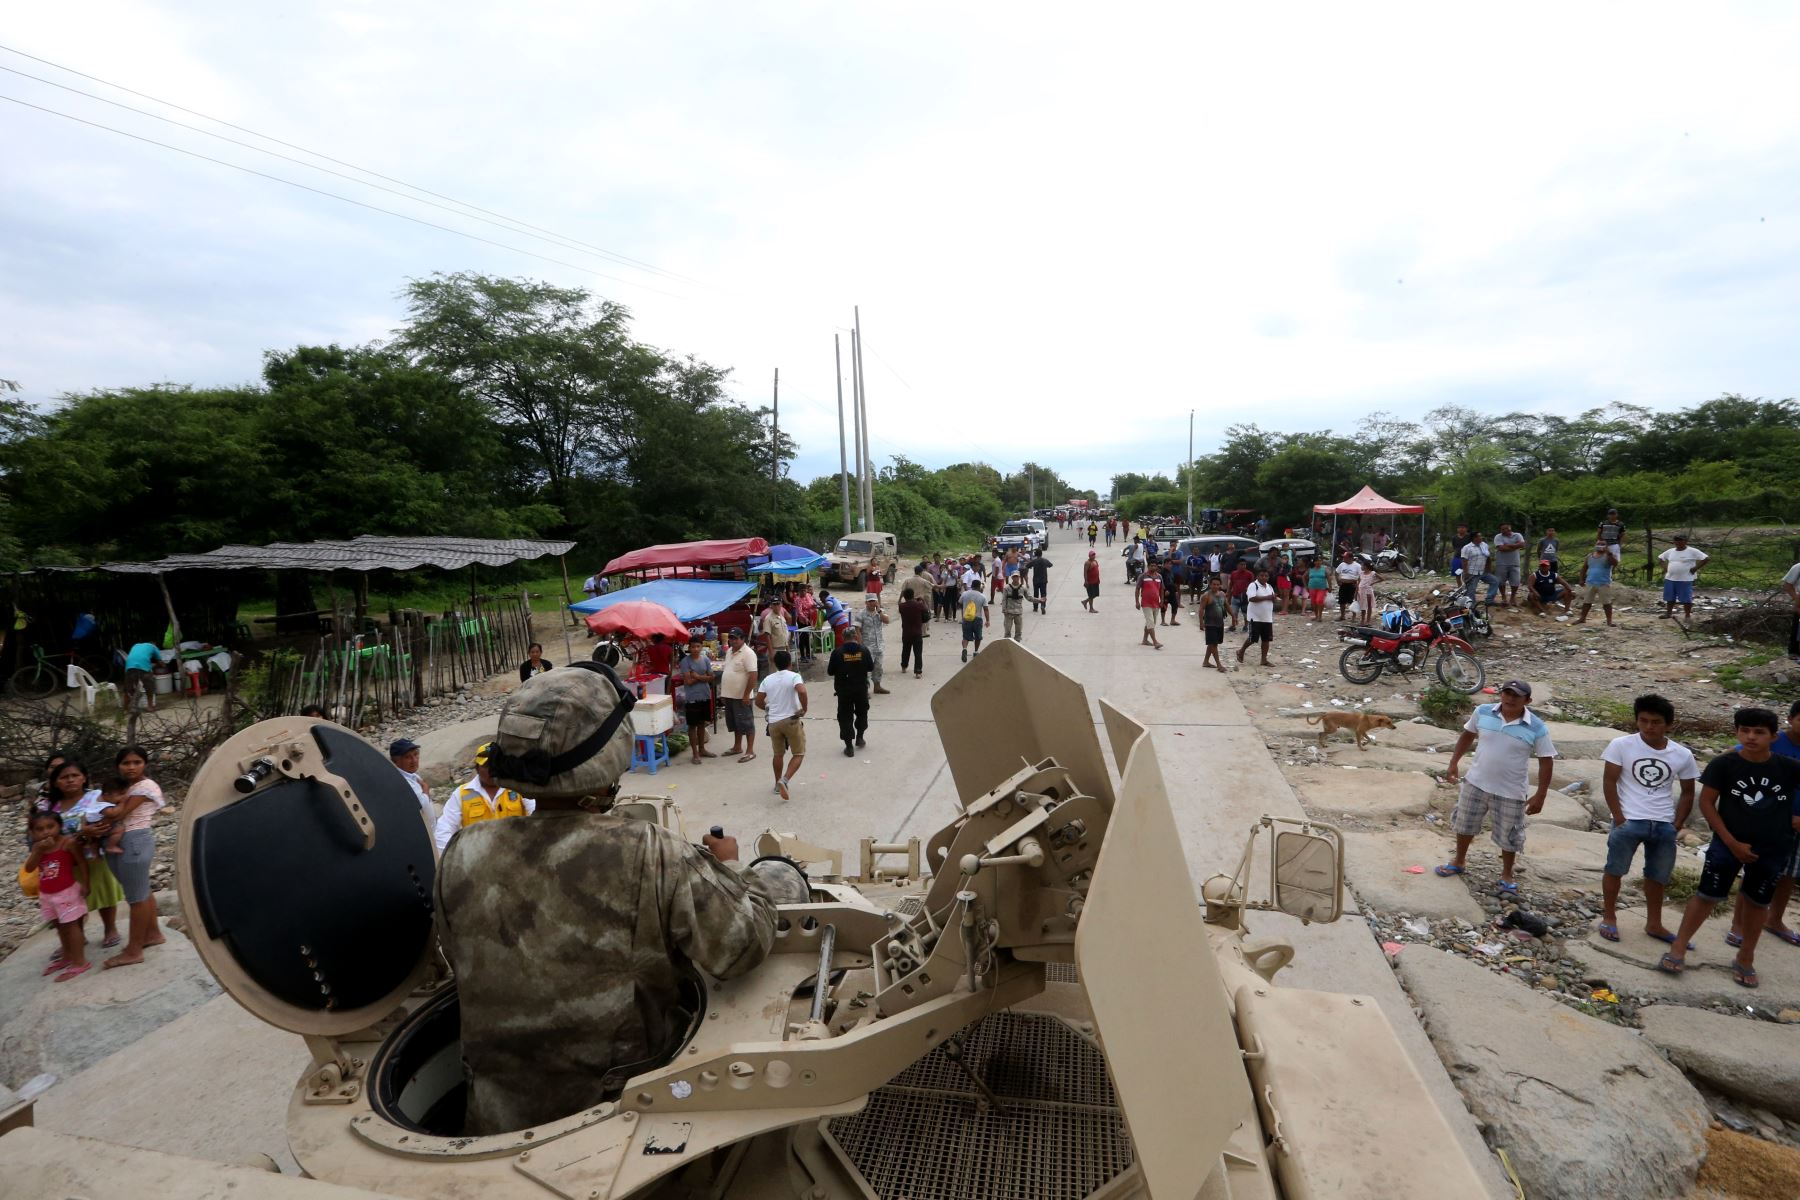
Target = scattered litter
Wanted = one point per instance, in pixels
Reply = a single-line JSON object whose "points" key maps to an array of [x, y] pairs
{"points": [[1525, 922], [1415, 870], [1604, 995], [1392, 949], [1490, 691], [1433, 818], [1417, 927], [1307, 704], [1347, 767], [1339, 703], [1575, 789], [1491, 949]]}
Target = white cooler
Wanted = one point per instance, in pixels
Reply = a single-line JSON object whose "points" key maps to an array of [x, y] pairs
{"points": [[653, 714]]}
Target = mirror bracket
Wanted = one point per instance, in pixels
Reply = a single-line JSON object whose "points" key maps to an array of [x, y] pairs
{"points": [[1227, 898]]}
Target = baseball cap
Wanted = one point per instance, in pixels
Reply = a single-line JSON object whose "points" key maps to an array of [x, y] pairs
{"points": [[400, 746], [735, 633], [1517, 685], [481, 754], [871, 598], [564, 734]]}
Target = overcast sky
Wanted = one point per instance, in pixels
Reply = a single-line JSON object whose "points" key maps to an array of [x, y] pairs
{"points": [[1066, 226]]}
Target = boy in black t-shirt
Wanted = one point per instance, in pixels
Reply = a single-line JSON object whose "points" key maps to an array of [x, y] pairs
{"points": [[1748, 796]]}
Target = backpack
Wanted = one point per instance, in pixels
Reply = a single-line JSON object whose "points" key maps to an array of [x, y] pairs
{"points": [[971, 610]]}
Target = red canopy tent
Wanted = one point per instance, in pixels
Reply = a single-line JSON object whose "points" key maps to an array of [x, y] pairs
{"points": [[1369, 502], [687, 554]]}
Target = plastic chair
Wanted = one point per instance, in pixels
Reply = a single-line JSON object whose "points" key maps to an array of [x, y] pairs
{"points": [[91, 687], [650, 750]]}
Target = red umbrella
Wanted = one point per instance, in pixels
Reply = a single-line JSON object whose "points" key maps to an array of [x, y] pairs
{"points": [[639, 618]]}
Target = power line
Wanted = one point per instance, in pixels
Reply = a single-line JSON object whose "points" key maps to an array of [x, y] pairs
{"points": [[624, 260], [554, 239], [462, 233]]}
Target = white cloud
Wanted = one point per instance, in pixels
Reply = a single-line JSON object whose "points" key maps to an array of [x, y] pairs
{"points": [[1066, 225]]}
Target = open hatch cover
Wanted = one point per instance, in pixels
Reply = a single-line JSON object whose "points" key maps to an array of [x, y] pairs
{"points": [[314, 910]]}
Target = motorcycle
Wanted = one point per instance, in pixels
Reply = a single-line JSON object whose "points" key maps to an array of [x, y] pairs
{"points": [[1472, 616], [1373, 650], [1392, 561]]}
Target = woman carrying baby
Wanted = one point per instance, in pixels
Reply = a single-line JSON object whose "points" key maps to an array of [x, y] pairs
{"points": [[79, 807]]}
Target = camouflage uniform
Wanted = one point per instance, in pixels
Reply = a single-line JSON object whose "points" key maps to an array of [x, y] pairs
{"points": [[870, 626], [567, 931]]}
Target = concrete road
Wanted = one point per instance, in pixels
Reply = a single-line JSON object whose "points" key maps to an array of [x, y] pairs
{"points": [[1221, 777]]}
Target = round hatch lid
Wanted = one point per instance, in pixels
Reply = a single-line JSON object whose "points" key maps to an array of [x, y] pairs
{"points": [[308, 896]]}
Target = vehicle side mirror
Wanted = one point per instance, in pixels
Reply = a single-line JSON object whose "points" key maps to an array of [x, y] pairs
{"points": [[1304, 875], [1309, 875]]}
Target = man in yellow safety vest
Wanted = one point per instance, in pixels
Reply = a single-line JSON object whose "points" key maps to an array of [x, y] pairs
{"points": [[480, 799]]}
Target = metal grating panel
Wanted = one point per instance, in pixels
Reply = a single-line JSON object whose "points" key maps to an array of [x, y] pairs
{"points": [[929, 1135], [911, 906], [1061, 973]]}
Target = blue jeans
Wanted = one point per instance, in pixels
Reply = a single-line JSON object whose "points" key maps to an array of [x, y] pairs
{"points": [[1493, 585], [1656, 837]]}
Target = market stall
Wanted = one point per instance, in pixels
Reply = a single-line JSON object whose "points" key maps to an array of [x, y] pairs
{"points": [[672, 557], [1366, 503]]}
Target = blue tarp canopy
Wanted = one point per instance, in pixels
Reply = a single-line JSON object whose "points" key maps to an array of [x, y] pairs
{"points": [[800, 564], [688, 599], [781, 553]]}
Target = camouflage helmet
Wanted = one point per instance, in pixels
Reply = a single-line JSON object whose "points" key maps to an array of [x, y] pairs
{"points": [[564, 734]]}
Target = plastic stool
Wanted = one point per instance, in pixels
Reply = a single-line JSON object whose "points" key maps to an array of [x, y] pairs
{"points": [[650, 750]]}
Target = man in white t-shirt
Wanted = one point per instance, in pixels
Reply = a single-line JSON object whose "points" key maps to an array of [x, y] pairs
{"points": [[1476, 556], [1790, 583], [1349, 574], [1641, 768], [1681, 566], [1259, 611], [782, 696]]}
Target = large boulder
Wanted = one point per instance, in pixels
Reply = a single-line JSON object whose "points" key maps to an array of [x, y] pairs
{"points": [[64, 1027], [1376, 865], [1331, 792], [1754, 1061], [1582, 1108]]}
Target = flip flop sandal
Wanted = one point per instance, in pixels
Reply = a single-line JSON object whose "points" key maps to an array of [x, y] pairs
{"points": [[1609, 932], [1671, 965], [1447, 870], [1734, 939], [72, 972], [1505, 888], [1787, 935], [112, 939], [55, 965], [1743, 976], [1666, 937]]}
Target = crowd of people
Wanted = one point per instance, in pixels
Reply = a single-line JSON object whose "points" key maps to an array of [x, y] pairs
{"points": [[90, 845]]}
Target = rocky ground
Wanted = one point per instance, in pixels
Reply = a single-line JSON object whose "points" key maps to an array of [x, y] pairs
{"points": [[1462, 950]]}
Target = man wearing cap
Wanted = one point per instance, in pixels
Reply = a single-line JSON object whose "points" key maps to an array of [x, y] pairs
{"points": [[572, 931], [737, 688], [404, 754], [850, 668], [869, 624], [480, 799], [1506, 736]]}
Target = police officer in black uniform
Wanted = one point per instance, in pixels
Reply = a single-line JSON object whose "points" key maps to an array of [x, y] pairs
{"points": [[850, 668]]}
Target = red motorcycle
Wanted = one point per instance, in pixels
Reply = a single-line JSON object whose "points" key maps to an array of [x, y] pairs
{"points": [[1399, 651]]}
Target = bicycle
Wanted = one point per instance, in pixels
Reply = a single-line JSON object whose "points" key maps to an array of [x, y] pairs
{"points": [[47, 673]]}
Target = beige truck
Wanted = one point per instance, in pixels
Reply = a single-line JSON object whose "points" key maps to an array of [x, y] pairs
{"points": [[858, 556], [1031, 1003]]}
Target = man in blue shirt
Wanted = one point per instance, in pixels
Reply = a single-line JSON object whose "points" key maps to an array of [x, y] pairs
{"points": [[139, 663], [1599, 581]]}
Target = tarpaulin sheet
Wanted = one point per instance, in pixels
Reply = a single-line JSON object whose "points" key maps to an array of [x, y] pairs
{"points": [[1367, 501], [789, 566], [687, 554], [781, 552], [688, 599]]}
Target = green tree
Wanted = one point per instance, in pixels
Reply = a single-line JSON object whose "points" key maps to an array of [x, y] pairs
{"points": [[556, 369]]}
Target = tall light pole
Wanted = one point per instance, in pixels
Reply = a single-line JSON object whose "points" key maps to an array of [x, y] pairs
{"points": [[1190, 469], [837, 358], [856, 437], [862, 393]]}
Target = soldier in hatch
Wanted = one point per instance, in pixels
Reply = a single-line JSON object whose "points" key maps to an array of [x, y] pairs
{"points": [[569, 930]]}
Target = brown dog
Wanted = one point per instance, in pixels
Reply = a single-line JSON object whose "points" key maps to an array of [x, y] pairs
{"points": [[1358, 723]]}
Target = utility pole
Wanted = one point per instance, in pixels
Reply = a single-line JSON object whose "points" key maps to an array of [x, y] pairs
{"points": [[837, 359], [1030, 490], [855, 423], [862, 388], [1190, 469], [775, 447]]}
